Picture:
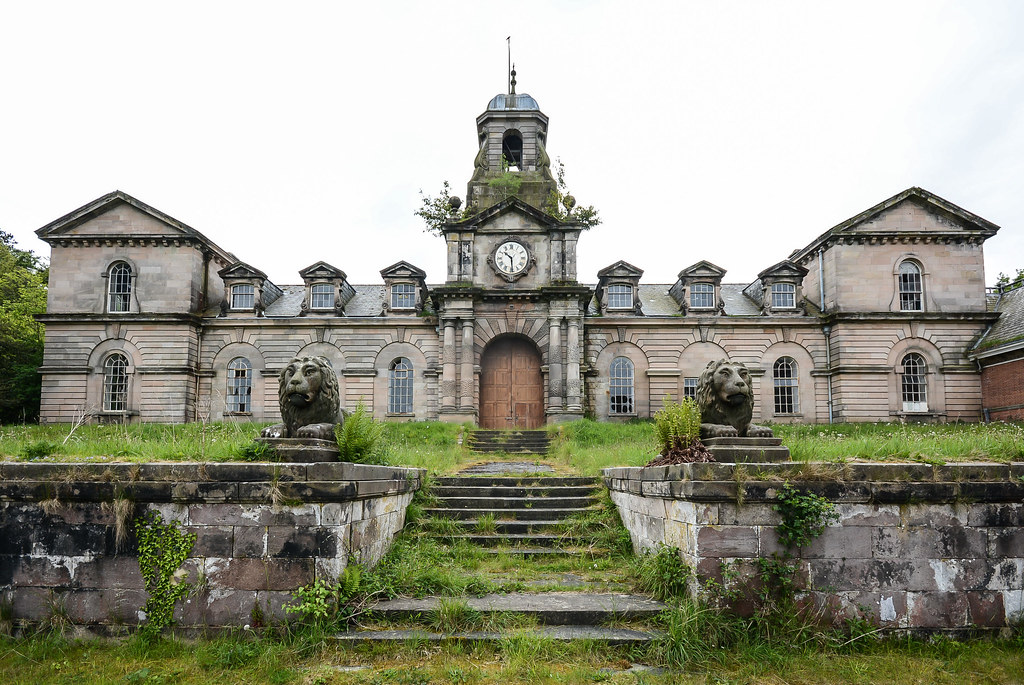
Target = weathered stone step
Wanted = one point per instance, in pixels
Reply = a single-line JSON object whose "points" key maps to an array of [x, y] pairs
{"points": [[514, 527], [518, 502], [565, 633], [507, 449], [534, 514], [548, 608], [446, 491], [512, 481], [487, 540]]}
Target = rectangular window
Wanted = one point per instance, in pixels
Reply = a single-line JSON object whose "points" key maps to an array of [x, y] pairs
{"points": [[702, 296], [690, 388], [783, 296], [403, 296], [243, 297], [620, 297], [321, 296]]}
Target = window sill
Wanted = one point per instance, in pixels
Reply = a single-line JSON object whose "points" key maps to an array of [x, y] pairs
{"points": [[400, 414], [238, 413]]}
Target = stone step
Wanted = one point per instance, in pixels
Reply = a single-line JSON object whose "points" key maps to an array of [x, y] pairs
{"points": [[514, 527], [505, 503], [488, 540], [548, 608], [534, 514], [561, 633], [512, 481], [507, 449], [540, 492]]}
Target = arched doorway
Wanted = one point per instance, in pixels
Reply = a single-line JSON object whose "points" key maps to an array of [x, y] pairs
{"points": [[511, 385]]}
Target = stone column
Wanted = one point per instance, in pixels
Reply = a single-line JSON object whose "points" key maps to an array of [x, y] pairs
{"points": [[449, 386], [555, 363], [466, 372], [572, 366]]}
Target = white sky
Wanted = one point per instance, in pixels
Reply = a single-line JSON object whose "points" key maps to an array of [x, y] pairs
{"points": [[729, 131]]}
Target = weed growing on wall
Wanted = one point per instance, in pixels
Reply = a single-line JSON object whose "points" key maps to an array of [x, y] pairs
{"points": [[804, 516], [322, 606], [663, 573], [163, 548], [677, 425]]}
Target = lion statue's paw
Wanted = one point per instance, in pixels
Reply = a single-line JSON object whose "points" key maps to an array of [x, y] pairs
{"points": [[759, 432], [717, 430], [278, 430], [319, 431]]}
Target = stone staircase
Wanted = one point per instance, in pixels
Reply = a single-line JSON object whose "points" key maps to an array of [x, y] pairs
{"points": [[523, 517], [509, 441]]}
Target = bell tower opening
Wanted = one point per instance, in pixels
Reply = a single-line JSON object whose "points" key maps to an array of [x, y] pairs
{"points": [[512, 150]]}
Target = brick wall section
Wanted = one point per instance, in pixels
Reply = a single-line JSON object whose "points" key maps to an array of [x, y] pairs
{"points": [[262, 530], [918, 546], [1003, 386]]}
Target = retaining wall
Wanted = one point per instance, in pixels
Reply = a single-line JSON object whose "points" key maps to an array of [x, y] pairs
{"points": [[262, 530], [916, 546]]}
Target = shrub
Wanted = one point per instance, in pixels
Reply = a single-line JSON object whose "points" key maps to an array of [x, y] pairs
{"points": [[360, 438], [677, 425]]}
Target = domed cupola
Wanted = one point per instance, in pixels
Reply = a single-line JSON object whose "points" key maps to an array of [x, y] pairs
{"points": [[512, 133]]}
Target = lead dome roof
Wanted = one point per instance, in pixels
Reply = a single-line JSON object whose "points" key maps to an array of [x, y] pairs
{"points": [[512, 101]]}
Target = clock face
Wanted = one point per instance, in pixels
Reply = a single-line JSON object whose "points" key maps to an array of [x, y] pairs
{"points": [[511, 257]]}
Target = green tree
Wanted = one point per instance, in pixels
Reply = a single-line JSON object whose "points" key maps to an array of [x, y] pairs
{"points": [[1007, 280], [23, 279]]}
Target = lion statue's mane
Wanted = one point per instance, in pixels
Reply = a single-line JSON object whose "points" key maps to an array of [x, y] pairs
{"points": [[310, 400], [726, 402]]}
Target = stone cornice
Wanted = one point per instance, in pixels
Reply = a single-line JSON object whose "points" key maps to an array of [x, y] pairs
{"points": [[191, 319]]}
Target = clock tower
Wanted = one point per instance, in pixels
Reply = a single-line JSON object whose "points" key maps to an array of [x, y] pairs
{"points": [[511, 310]]}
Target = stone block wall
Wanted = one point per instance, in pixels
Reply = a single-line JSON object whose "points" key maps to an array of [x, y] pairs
{"points": [[262, 530], [916, 546]]}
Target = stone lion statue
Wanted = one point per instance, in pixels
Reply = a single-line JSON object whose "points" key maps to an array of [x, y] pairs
{"points": [[726, 400], [310, 400]]}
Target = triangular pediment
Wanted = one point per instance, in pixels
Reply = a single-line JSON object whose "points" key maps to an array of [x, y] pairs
{"points": [[403, 269], [784, 269], [702, 269], [241, 270], [509, 208], [118, 215], [620, 269], [321, 270], [915, 211]]}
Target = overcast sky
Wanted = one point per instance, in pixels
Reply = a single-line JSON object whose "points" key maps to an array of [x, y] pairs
{"points": [[293, 132]]}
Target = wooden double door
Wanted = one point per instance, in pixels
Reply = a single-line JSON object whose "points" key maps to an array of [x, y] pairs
{"points": [[511, 385]]}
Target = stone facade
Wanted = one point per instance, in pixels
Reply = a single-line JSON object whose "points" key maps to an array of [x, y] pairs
{"points": [[916, 545], [149, 320], [254, 544], [1000, 354]]}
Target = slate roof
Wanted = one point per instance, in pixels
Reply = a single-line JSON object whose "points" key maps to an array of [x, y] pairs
{"points": [[1008, 328]]}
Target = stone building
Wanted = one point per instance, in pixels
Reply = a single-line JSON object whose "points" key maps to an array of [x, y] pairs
{"points": [[873, 320], [1000, 354]]}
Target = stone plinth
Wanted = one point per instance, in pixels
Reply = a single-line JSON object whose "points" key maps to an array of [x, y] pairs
{"points": [[302, 450], [747, 450]]}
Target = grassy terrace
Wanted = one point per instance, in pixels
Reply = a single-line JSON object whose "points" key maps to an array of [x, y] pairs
{"points": [[584, 446]]}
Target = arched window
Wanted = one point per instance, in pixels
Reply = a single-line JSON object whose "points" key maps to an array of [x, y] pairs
{"points": [[787, 390], [115, 383], [913, 383], [239, 391], [400, 386], [702, 296], [620, 386], [119, 288], [910, 287]]}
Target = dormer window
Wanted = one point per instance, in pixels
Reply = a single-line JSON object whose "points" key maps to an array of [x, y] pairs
{"points": [[243, 297], [321, 296], [783, 296], [119, 288], [702, 296], [620, 296], [403, 296]]}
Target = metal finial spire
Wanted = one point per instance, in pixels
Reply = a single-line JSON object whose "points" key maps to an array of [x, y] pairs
{"points": [[512, 83]]}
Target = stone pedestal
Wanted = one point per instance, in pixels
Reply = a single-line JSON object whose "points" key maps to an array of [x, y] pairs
{"points": [[747, 450], [302, 450]]}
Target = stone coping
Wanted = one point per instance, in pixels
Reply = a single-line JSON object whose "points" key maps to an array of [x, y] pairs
{"points": [[879, 483], [203, 482]]}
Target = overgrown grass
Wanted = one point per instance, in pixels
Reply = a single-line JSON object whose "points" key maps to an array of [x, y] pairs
{"points": [[582, 446]]}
